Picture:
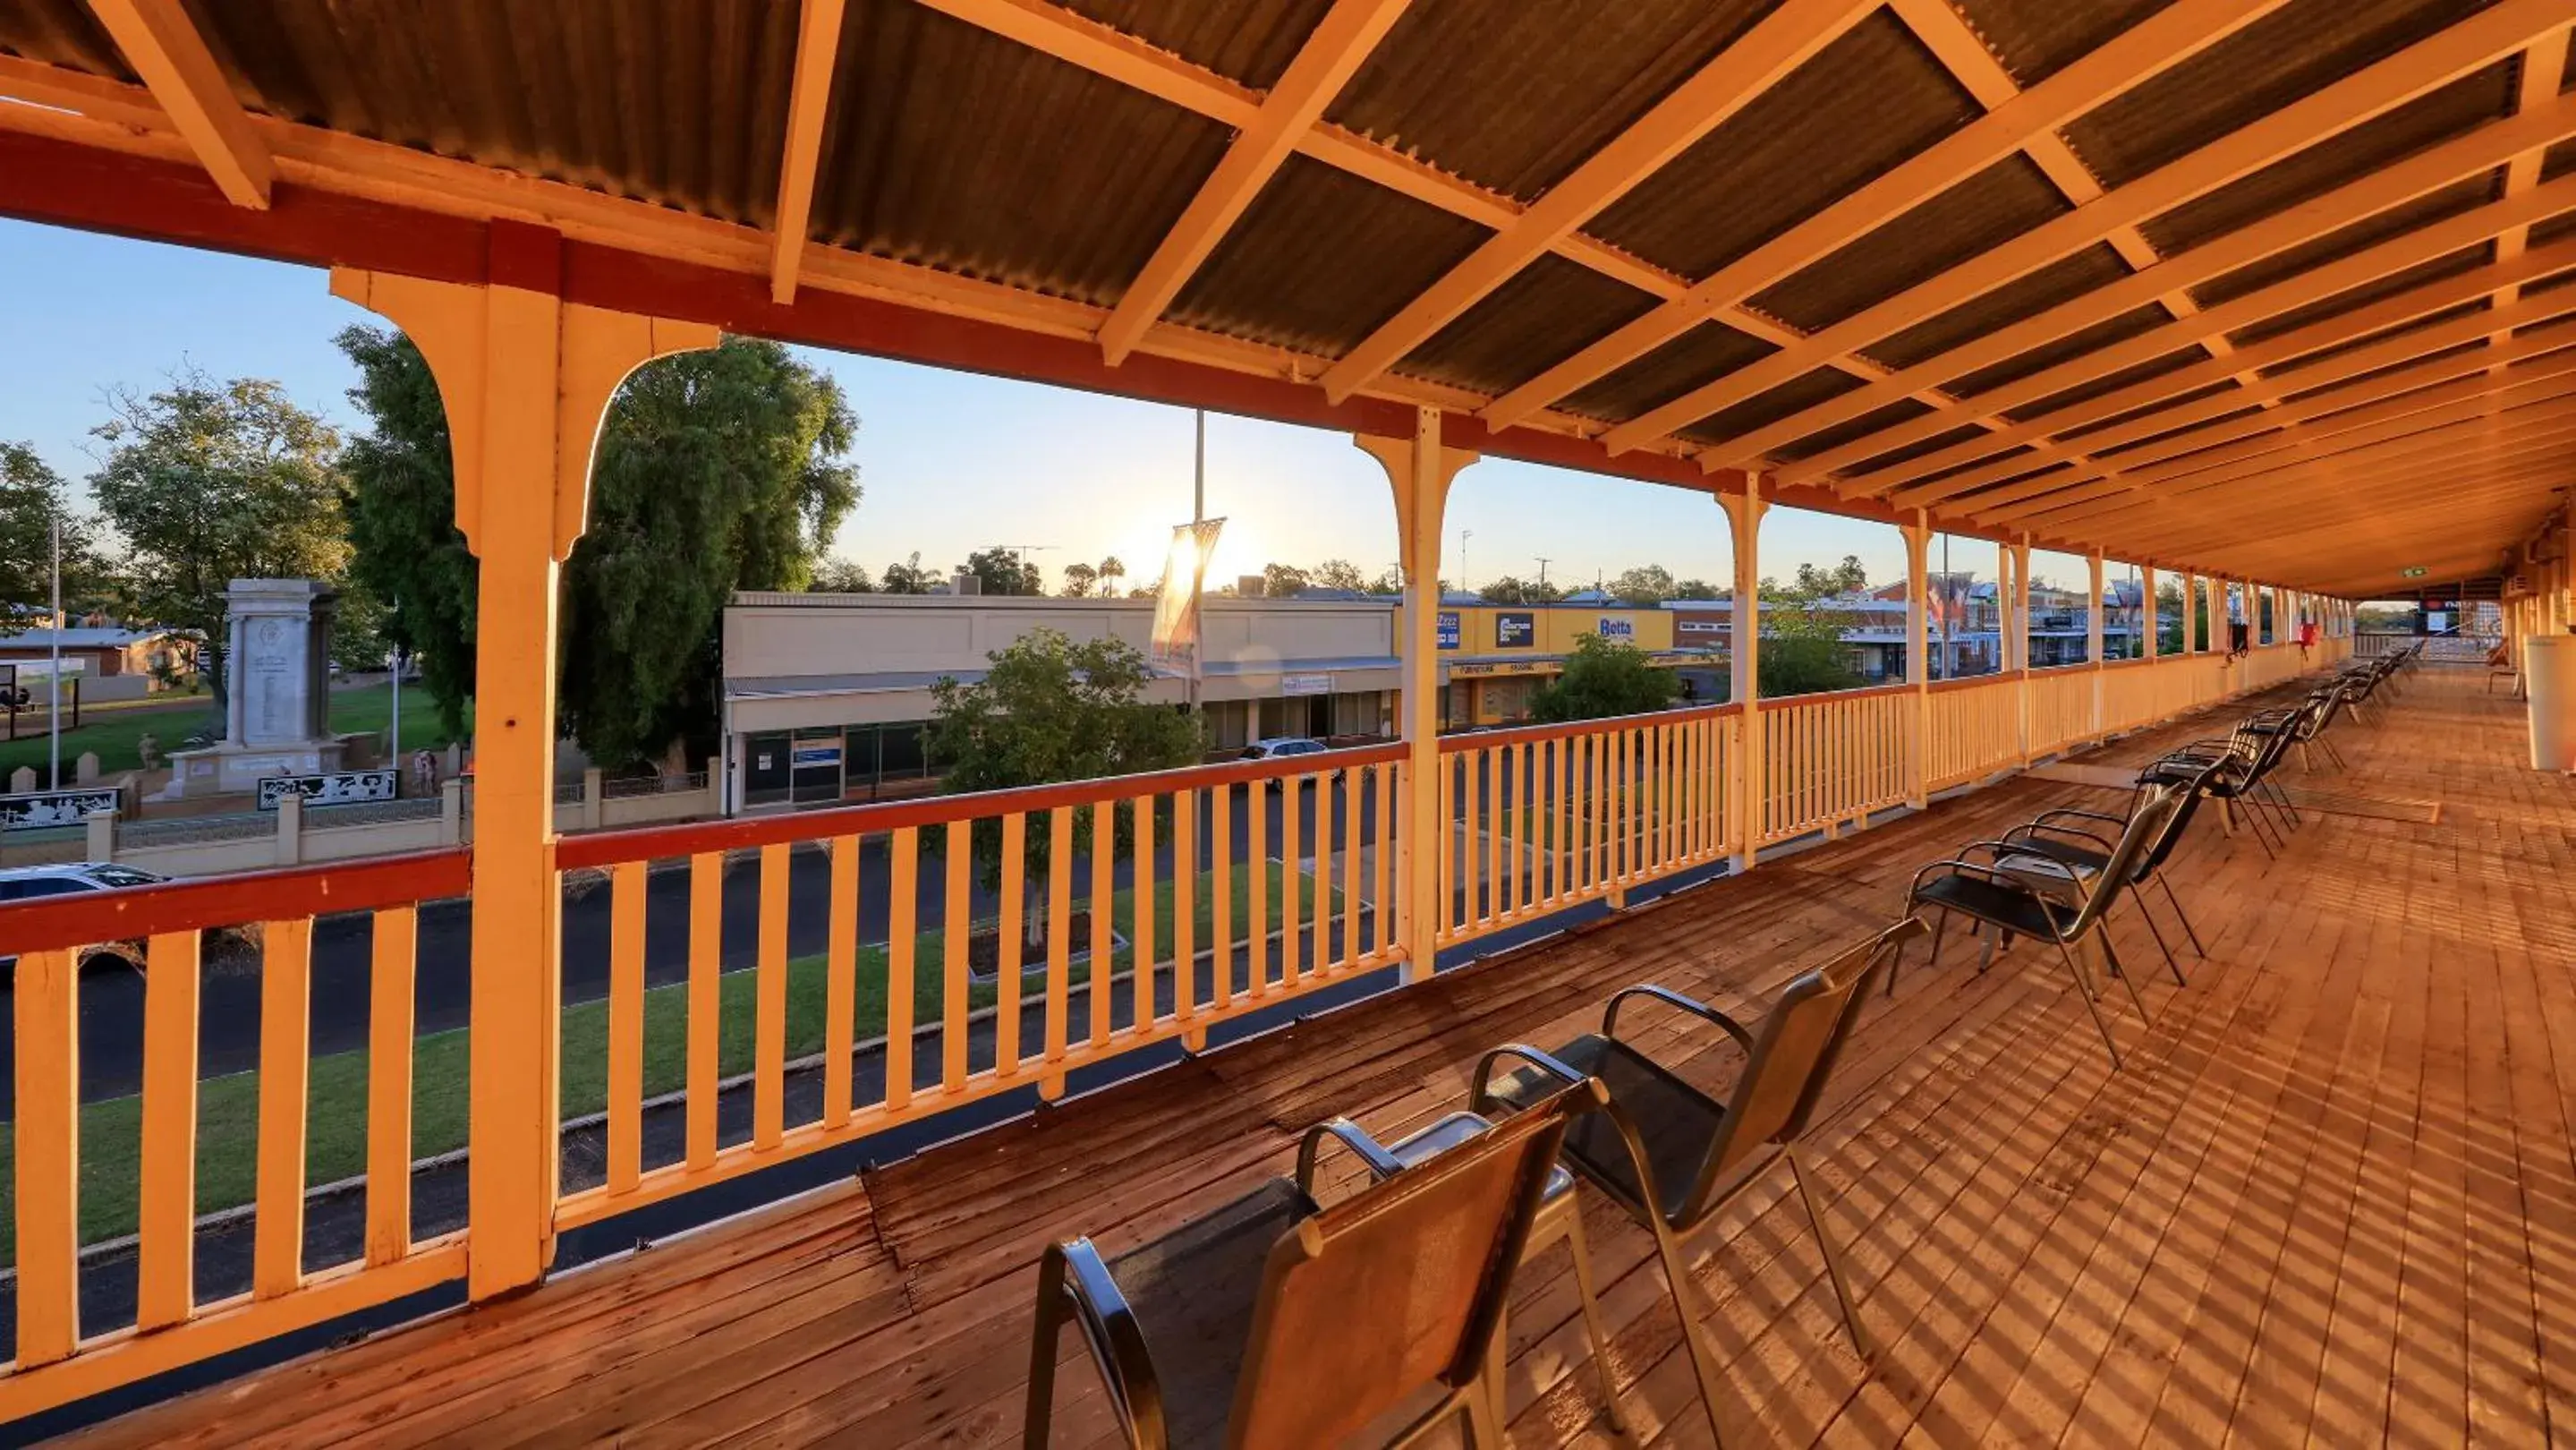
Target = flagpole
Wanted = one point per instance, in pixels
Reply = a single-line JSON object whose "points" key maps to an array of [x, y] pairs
{"points": [[1198, 553]]}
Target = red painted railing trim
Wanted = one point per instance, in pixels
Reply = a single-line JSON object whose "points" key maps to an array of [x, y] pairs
{"points": [[1970, 682], [61, 923], [1467, 740], [595, 849]]}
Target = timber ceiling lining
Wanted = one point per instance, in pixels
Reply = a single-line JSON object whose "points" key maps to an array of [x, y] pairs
{"points": [[61, 32], [1856, 108], [1576, 73], [1077, 151], [1045, 176]]}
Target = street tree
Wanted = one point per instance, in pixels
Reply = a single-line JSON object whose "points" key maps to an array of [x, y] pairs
{"points": [[1802, 649], [1079, 580], [1111, 574], [1644, 584], [1003, 571], [1512, 589], [907, 577], [1050, 709], [715, 471], [1604, 678], [837, 575], [1339, 574], [32, 497], [1282, 581], [209, 482], [1696, 588]]}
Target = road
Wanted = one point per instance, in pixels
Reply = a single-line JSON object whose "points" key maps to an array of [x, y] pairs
{"points": [[111, 1006]]}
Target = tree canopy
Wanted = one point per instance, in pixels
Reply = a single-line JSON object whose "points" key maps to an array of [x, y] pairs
{"points": [[1079, 580], [841, 576], [1003, 571], [1604, 678], [1802, 652], [1339, 574], [1282, 581], [1644, 584], [907, 577], [1051, 709], [210, 482], [1511, 589], [32, 496], [716, 471]]}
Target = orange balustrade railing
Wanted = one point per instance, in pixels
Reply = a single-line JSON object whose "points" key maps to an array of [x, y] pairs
{"points": [[1832, 759]]}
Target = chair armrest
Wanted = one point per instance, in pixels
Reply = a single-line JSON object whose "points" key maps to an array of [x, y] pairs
{"points": [[2044, 826], [2070, 813], [1958, 866], [1380, 1163], [1480, 1098], [1117, 1340], [1671, 998]]}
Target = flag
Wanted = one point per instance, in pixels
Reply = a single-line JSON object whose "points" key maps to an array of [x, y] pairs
{"points": [[1175, 646]]}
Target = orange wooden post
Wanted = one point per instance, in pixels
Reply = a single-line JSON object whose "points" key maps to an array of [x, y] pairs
{"points": [[1918, 657], [1420, 469], [1744, 648], [526, 379]]}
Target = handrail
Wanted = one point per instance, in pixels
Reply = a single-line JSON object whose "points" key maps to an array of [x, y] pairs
{"points": [[1859, 692], [1970, 682], [64, 923], [646, 843], [1466, 740]]}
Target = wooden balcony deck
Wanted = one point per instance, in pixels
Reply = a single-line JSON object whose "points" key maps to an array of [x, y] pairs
{"points": [[2330, 1200]]}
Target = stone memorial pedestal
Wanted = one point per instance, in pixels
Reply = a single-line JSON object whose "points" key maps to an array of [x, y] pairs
{"points": [[278, 687]]}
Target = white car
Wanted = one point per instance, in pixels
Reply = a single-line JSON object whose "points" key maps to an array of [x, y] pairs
{"points": [[72, 878], [1282, 747]]}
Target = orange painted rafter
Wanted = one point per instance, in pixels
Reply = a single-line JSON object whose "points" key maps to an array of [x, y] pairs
{"points": [[2113, 69], [2329, 412], [2282, 297], [2465, 156], [163, 46], [2463, 401], [818, 44], [1323, 65], [1777, 45], [2270, 391], [2542, 65], [2503, 474], [2373, 91]]}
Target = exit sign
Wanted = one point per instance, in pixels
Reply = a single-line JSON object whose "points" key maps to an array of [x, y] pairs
{"points": [[2412, 571]]}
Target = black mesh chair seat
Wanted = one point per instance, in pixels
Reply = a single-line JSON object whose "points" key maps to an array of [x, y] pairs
{"points": [[1192, 1292], [1676, 1121], [2014, 908], [2083, 860]]}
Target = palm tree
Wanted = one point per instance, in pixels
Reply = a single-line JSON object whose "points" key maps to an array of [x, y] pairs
{"points": [[1110, 573]]}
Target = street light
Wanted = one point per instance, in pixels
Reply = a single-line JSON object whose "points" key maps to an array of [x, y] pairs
{"points": [[1463, 536]]}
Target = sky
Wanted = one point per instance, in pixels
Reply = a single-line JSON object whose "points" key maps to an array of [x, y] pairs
{"points": [[949, 462]]}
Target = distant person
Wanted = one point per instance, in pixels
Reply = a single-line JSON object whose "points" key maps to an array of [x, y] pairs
{"points": [[2307, 638], [424, 773]]}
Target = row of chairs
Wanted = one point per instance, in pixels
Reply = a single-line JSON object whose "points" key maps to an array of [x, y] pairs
{"points": [[2058, 878], [1280, 1320]]}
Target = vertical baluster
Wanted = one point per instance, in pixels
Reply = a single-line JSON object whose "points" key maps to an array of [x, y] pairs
{"points": [[1353, 780], [1185, 903], [1489, 821], [626, 890], [1221, 894], [1546, 817], [840, 980], [1140, 871], [1383, 910], [1320, 956], [389, 1035], [1059, 929], [1013, 934], [1104, 898], [285, 1067], [769, 1003], [903, 941], [1436, 840], [48, 1154], [1256, 928], [706, 989], [956, 932], [1291, 901], [167, 1228]]}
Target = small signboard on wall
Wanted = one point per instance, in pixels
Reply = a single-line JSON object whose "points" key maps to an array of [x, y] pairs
{"points": [[1313, 684], [1618, 628], [40, 810], [1515, 631], [1447, 628]]}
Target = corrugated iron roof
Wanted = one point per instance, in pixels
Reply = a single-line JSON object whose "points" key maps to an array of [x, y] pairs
{"points": [[2036, 38], [1551, 308], [1706, 351], [61, 32], [1247, 41]]}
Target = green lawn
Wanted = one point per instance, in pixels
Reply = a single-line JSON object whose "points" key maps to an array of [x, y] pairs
{"points": [[114, 733], [336, 1099]]}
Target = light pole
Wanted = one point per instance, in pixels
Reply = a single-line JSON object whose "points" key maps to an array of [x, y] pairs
{"points": [[54, 730], [1542, 576], [1463, 536]]}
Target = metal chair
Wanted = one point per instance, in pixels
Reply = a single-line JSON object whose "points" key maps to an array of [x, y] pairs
{"points": [[1672, 1156], [1275, 1323], [2083, 852], [2013, 902], [2245, 762]]}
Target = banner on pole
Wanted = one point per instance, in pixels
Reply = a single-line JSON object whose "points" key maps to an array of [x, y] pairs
{"points": [[1175, 646]]}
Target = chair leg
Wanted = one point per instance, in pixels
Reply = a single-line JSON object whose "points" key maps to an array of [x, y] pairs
{"points": [[1703, 1364], [1484, 1421], [1833, 1256], [2158, 933], [2084, 989], [2176, 902], [1592, 1326], [1938, 928], [1040, 1413], [2111, 959]]}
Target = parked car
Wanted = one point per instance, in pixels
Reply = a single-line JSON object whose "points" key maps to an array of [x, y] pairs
{"points": [[29, 883], [1281, 747]]}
